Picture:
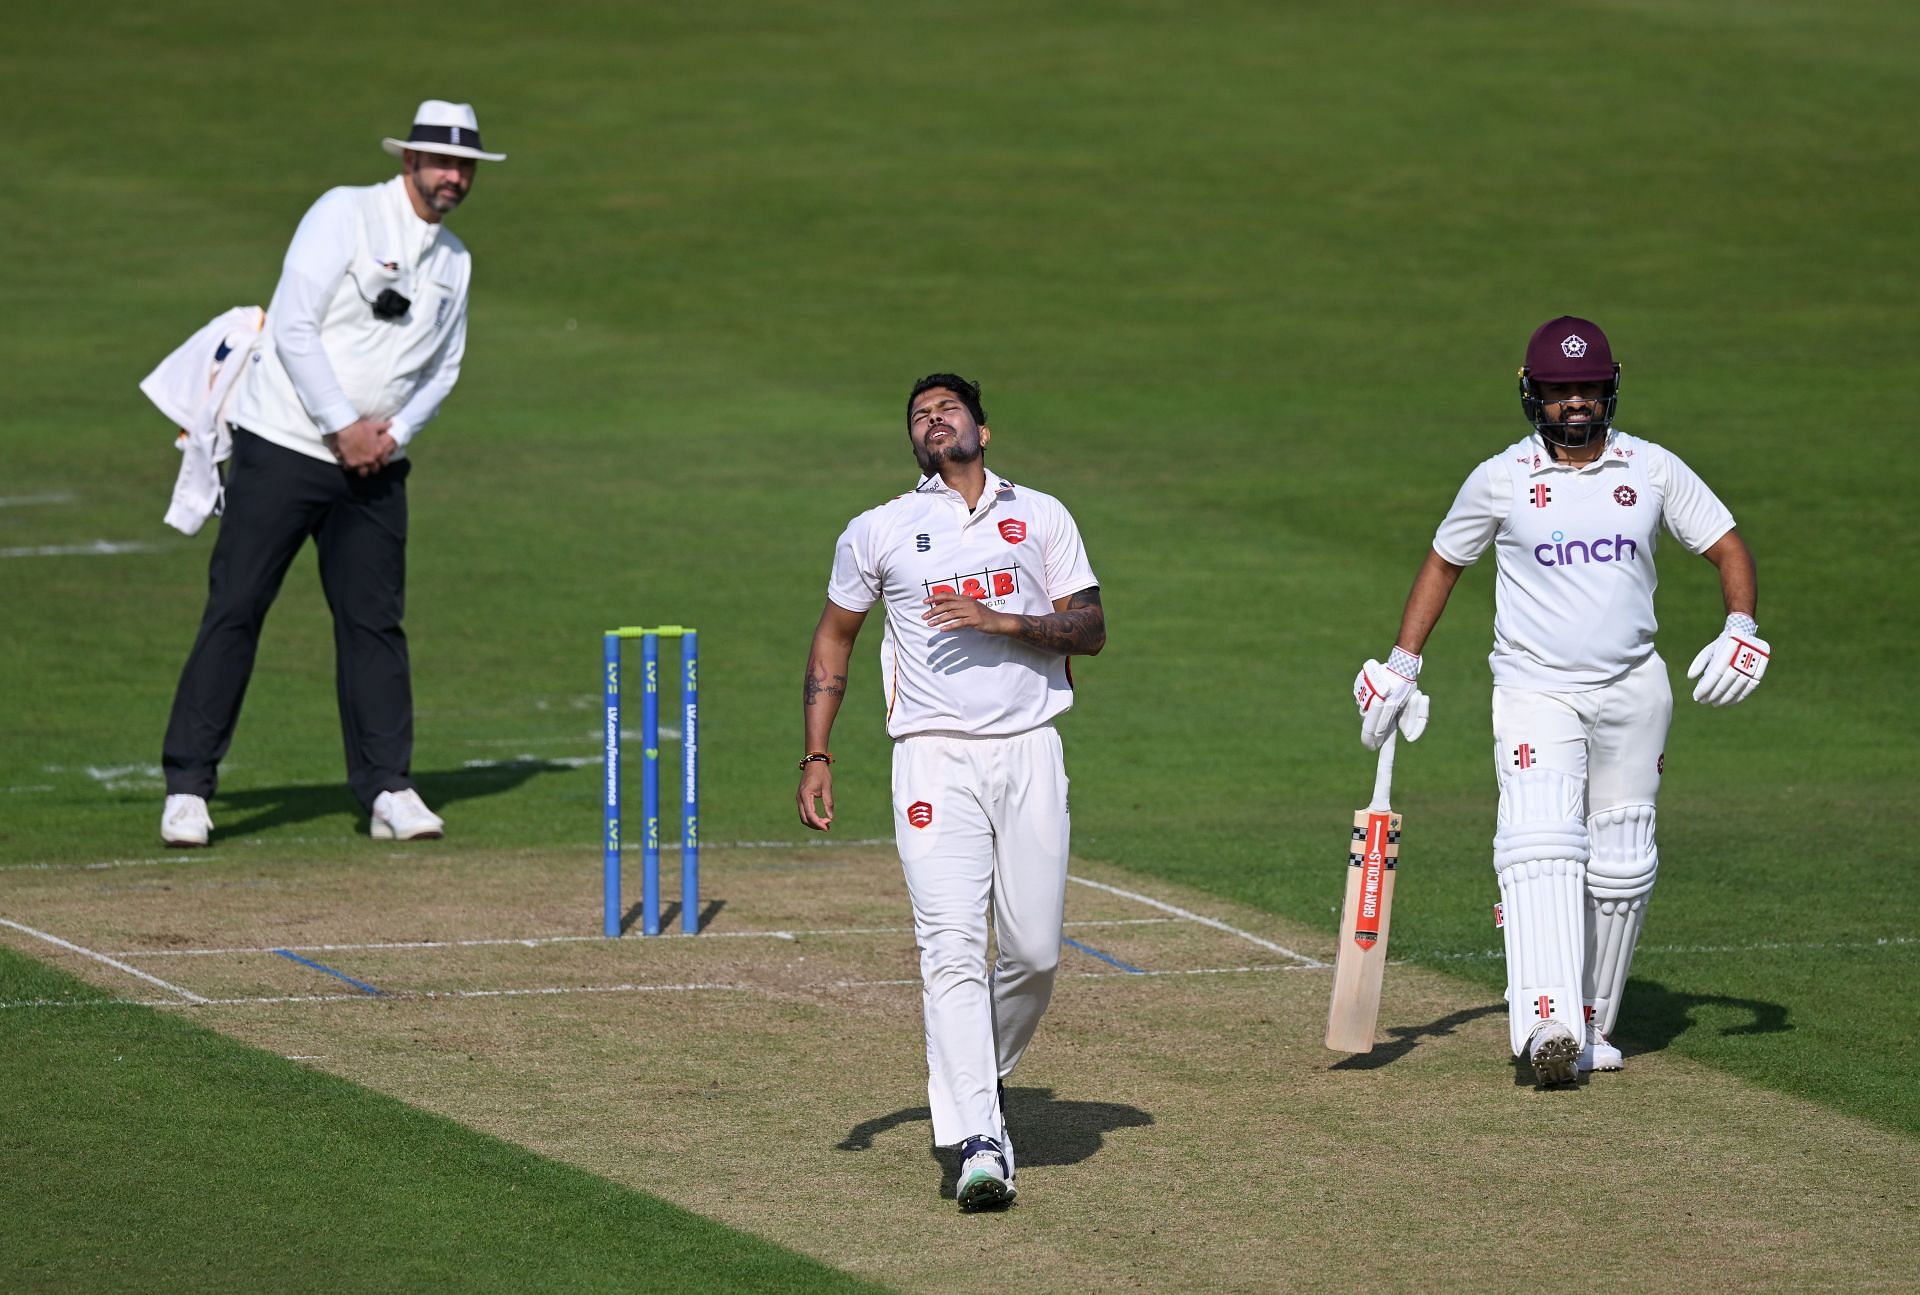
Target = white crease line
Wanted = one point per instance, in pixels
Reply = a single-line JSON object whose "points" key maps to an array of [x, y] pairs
{"points": [[91, 1002], [185, 856], [1882, 942], [530, 942], [391, 996], [1097, 975], [422, 995], [97, 548], [1215, 923], [206, 856], [534, 762], [22, 501], [120, 773], [418, 995], [115, 963], [812, 843], [535, 941]]}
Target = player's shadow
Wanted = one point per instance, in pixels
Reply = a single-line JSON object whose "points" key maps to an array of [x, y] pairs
{"points": [[1046, 1130], [1408, 1037], [1654, 1016], [261, 809]]}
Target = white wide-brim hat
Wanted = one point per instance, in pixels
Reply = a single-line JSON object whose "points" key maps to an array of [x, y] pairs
{"points": [[442, 127]]}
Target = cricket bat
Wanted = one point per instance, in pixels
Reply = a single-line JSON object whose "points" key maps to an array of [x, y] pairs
{"points": [[1362, 958]]}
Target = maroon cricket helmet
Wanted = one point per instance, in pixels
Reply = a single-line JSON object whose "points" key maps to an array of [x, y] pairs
{"points": [[1569, 349]]}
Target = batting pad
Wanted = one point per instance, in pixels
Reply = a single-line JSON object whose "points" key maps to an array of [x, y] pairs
{"points": [[1540, 853], [1620, 879]]}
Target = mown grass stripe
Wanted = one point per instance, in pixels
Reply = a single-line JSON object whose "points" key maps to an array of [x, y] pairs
{"points": [[225, 1168]]}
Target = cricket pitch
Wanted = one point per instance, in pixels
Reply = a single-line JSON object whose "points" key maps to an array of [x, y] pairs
{"points": [[1178, 1123]]}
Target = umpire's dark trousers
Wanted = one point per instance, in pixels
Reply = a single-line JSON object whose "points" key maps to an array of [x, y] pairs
{"points": [[275, 499]]}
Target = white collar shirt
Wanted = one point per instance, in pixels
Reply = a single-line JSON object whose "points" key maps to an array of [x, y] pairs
{"points": [[1016, 551], [1574, 582]]}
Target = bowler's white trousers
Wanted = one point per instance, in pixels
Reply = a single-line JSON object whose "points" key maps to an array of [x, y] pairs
{"points": [[981, 821]]}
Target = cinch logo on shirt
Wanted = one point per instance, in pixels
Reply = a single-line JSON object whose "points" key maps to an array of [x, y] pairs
{"points": [[1563, 552], [980, 586]]}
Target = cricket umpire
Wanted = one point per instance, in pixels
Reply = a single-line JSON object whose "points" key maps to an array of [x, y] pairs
{"points": [[1581, 701], [986, 593], [364, 339]]}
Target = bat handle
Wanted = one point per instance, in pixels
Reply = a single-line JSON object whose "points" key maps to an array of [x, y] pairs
{"points": [[1383, 776]]}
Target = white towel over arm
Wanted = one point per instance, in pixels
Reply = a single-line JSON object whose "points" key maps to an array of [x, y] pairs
{"points": [[191, 387]]}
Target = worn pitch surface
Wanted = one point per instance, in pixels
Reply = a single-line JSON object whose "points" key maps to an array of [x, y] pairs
{"points": [[1178, 1122]]}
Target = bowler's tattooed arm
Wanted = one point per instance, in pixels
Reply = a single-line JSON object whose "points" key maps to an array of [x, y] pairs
{"points": [[824, 686], [825, 682], [819, 681], [1078, 626]]}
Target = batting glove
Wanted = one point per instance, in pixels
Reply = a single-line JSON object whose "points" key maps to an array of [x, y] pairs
{"points": [[1732, 665], [1386, 696]]}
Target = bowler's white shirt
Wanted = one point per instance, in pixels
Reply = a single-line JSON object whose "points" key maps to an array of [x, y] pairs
{"points": [[1017, 552], [326, 362], [1573, 595]]}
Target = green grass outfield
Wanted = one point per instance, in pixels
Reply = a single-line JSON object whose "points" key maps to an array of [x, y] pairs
{"points": [[222, 1168], [1246, 286]]}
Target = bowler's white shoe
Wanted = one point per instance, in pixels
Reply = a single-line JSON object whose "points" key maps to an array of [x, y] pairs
{"points": [[185, 821], [403, 816], [1598, 1054], [986, 1180], [1553, 1049]]}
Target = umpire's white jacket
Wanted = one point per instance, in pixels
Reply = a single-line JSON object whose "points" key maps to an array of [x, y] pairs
{"points": [[327, 361]]}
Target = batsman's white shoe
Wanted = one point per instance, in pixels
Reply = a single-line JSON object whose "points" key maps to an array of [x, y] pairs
{"points": [[403, 816], [985, 1181], [1553, 1049], [185, 821], [1598, 1054]]}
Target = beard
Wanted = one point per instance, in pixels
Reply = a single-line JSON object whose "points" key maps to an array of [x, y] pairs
{"points": [[954, 451], [443, 198]]}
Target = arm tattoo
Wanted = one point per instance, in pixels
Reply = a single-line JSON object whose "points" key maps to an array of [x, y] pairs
{"points": [[1080, 630], [821, 682]]}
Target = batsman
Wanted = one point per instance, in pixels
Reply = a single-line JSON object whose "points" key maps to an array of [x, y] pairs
{"points": [[1581, 701]]}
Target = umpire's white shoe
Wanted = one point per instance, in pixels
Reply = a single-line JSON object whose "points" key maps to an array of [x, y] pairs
{"points": [[1598, 1054], [1553, 1050], [985, 1180], [403, 816], [185, 821]]}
